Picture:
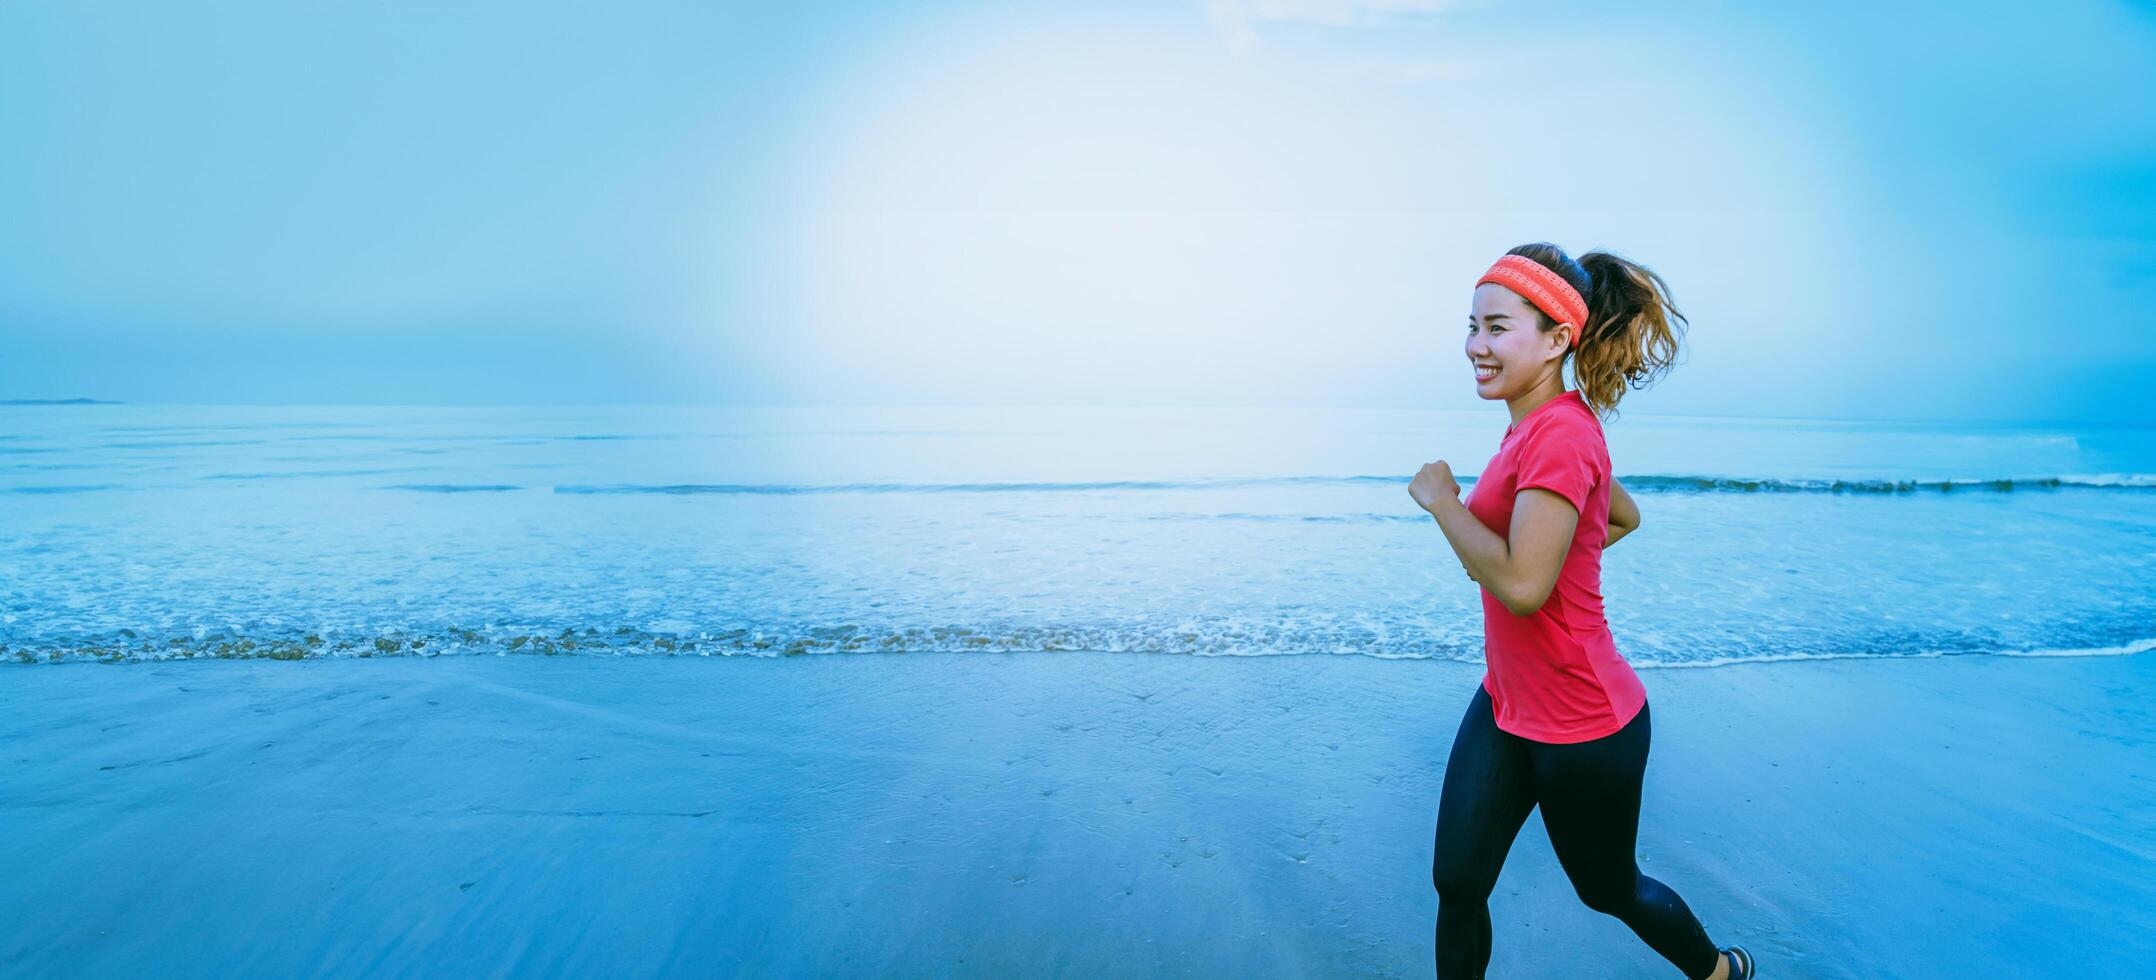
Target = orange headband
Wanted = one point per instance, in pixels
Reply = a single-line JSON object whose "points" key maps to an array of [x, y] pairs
{"points": [[1538, 285]]}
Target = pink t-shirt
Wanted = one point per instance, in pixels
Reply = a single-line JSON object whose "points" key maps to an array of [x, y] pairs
{"points": [[1555, 675]]}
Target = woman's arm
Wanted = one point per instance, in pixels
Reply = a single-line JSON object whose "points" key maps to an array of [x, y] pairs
{"points": [[1624, 514], [1519, 571]]}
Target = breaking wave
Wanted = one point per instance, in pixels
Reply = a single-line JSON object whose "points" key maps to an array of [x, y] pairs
{"points": [[1190, 639], [1637, 484]]}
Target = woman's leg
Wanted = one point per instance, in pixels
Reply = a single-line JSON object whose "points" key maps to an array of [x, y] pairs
{"points": [[1488, 793], [1590, 804]]}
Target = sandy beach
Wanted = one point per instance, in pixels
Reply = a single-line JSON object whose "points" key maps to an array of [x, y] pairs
{"points": [[1060, 814]]}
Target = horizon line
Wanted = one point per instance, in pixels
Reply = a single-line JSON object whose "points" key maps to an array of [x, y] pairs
{"points": [[103, 402]]}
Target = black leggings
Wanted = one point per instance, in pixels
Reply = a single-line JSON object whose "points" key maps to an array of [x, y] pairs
{"points": [[1589, 793]]}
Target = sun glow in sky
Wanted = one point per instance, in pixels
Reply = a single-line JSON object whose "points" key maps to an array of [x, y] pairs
{"points": [[1271, 203]]}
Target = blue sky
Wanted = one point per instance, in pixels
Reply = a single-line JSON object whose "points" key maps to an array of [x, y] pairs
{"points": [[1919, 212]]}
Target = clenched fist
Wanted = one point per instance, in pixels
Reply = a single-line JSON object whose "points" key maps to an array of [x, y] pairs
{"points": [[1431, 482]]}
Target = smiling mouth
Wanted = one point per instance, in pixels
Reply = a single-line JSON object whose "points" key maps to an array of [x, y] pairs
{"points": [[1484, 373]]}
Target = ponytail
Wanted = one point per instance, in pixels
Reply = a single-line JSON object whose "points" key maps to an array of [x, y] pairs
{"points": [[1632, 332]]}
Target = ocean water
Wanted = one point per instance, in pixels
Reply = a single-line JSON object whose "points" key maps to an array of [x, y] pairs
{"points": [[157, 532]]}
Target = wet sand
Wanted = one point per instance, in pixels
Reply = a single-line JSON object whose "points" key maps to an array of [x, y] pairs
{"points": [[1063, 814]]}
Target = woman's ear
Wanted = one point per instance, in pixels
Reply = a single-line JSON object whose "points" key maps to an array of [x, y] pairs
{"points": [[1571, 335]]}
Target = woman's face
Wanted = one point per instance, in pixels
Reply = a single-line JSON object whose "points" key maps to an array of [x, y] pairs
{"points": [[1509, 352]]}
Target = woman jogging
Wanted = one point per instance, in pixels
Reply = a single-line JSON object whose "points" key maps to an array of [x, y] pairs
{"points": [[1559, 719]]}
